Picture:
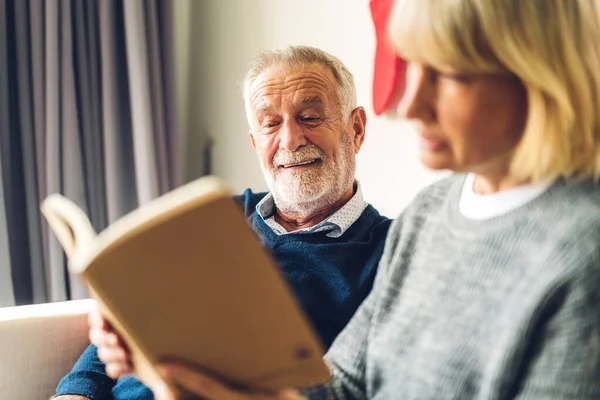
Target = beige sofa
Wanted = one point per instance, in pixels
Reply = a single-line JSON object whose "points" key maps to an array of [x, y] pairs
{"points": [[38, 345]]}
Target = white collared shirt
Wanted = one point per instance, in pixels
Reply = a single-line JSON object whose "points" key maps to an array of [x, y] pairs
{"points": [[337, 223]]}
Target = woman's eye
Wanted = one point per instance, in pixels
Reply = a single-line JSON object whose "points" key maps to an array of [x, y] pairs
{"points": [[454, 76]]}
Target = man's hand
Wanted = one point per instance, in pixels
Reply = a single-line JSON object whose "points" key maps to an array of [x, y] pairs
{"points": [[111, 348], [113, 352], [208, 388]]}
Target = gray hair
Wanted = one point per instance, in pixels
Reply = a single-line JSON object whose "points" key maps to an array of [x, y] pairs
{"points": [[296, 56]]}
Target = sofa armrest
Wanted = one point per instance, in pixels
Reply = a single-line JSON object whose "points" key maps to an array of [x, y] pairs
{"points": [[38, 345]]}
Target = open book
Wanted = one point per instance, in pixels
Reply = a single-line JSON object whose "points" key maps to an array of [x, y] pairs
{"points": [[184, 277]]}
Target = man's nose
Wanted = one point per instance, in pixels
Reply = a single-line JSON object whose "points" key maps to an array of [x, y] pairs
{"points": [[291, 136]]}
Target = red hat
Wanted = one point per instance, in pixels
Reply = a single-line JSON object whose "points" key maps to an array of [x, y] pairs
{"points": [[389, 69]]}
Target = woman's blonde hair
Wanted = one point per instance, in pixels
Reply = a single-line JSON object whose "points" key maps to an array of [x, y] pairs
{"points": [[552, 46]]}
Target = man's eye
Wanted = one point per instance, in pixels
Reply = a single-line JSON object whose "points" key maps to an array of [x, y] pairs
{"points": [[270, 124], [309, 119]]}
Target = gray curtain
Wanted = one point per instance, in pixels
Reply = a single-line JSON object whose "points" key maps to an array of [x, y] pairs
{"points": [[87, 109]]}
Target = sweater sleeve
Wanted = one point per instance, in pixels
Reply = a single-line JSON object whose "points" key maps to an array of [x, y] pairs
{"points": [[347, 356], [563, 358], [87, 378]]}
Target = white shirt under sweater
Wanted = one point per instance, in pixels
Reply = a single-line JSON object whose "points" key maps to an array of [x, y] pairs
{"points": [[476, 206]]}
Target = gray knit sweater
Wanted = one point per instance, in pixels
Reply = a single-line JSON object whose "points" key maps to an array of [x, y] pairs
{"points": [[503, 308]]}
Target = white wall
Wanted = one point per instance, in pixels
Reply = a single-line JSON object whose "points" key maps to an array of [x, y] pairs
{"points": [[234, 30]]}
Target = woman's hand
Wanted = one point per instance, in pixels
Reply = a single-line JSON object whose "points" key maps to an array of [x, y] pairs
{"points": [[208, 388]]}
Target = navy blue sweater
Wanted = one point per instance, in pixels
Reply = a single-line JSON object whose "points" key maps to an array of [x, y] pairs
{"points": [[330, 277]]}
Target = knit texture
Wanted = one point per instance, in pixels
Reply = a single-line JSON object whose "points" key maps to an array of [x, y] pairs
{"points": [[504, 308]]}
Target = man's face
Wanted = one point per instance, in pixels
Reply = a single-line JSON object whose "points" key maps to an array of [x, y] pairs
{"points": [[305, 146]]}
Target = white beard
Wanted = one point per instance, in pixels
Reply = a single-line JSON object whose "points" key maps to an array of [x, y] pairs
{"points": [[307, 191]]}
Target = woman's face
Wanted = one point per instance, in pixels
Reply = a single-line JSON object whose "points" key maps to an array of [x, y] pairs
{"points": [[466, 122]]}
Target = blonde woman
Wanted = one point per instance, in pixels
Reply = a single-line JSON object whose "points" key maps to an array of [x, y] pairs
{"points": [[489, 287]]}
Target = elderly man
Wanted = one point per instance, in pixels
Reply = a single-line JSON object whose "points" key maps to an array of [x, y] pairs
{"points": [[307, 130]]}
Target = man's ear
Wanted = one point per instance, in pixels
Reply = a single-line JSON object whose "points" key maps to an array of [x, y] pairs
{"points": [[252, 139], [358, 121]]}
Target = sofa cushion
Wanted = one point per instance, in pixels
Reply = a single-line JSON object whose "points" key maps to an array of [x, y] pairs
{"points": [[38, 345]]}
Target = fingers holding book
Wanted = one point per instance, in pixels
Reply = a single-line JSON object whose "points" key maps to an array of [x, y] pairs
{"points": [[112, 350]]}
